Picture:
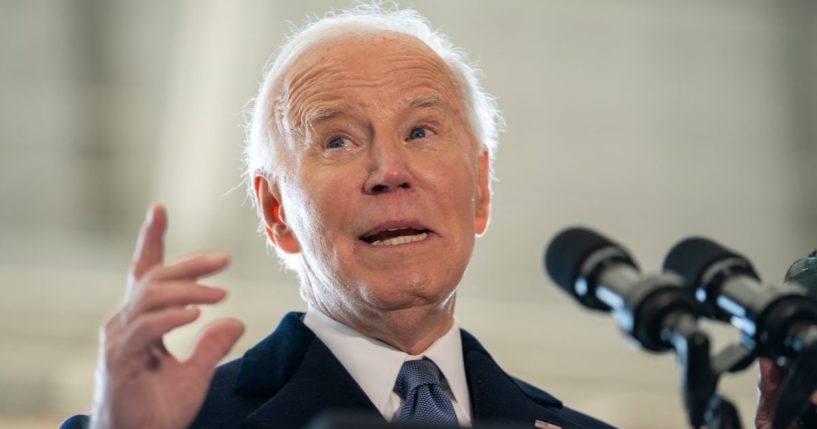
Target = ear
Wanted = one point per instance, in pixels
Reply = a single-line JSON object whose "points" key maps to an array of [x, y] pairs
{"points": [[482, 201], [268, 200]]}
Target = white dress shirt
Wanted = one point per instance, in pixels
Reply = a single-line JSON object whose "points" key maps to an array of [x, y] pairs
{"points": [[374, 365]]}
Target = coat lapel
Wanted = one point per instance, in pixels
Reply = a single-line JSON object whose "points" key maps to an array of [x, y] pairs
{"points": [[498, 397], [295, 377], [300, 376]]}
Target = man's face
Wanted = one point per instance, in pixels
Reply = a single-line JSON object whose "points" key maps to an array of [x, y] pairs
{"points": [[385, 187]]}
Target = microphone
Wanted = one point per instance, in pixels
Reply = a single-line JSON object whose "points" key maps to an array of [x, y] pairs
{"points": [[602, 276], [730, 289], [779, 322], [654, 310], [803, 272]]}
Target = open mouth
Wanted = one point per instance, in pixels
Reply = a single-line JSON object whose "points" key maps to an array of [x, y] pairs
{"points": [[395, 236]]}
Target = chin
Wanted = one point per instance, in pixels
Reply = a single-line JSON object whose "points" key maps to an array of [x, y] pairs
{"points": [[409, 292]]}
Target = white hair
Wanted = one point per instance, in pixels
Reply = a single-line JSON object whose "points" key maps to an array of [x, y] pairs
{"points": [[264, 136]]}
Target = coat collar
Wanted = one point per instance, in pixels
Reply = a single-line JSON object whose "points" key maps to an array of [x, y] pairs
{"points": [[496, 396], [302, 378], [267, 366], [299, 375]]}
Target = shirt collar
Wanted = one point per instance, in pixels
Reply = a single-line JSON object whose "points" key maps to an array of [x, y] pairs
{"points": [[374, 365]]}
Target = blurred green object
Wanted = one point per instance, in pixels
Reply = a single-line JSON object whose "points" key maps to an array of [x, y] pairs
{"points": [[803, 272]]}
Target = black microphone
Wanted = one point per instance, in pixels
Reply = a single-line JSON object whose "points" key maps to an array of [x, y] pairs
{"points": [[779, 322], [657, 311], [654, 310], [731, 291], [803, 272], [602, 276]]}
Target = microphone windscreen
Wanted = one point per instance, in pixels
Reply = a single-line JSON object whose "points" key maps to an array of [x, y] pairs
{"points": [[567, 252], [803, 272], [692, 257]]}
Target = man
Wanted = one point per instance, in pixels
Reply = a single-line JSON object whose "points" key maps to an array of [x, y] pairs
{"points": [[369, 158]]}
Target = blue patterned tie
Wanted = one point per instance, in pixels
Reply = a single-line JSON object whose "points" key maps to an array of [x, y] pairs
{"points": [[424, 401]]}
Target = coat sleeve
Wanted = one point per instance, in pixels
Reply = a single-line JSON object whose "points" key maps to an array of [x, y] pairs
{"points": [[79, 421]]}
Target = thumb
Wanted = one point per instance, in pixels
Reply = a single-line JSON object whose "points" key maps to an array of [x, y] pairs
{"points": [[216, 340], [768, 386]]}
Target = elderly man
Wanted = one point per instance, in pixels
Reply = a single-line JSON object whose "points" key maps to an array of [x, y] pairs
{"points": [[369, 158]]}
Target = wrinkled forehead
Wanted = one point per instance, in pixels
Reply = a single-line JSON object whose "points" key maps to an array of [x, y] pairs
{"points": [[390, 69]]}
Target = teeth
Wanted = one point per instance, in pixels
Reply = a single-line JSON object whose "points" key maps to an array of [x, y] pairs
{"points": [[401, 240], [396, 229]]}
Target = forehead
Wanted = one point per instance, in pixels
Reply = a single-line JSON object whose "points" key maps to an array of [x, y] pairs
{"points": [[365, 69]]}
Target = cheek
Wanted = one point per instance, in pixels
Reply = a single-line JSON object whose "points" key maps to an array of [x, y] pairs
{"points": [[457, 185], [301, 214], [322, 209]]}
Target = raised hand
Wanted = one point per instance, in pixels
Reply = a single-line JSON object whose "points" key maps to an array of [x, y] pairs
{"points": [[771, 377], [139, 384]]}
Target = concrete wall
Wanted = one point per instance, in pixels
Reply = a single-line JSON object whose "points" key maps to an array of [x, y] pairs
{"points": [[647, 120]]}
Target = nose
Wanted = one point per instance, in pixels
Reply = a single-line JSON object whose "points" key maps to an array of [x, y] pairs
{"points": [[387, 168]]}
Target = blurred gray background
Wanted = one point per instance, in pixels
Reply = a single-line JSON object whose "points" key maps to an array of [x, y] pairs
{"points": [[647, 120]]}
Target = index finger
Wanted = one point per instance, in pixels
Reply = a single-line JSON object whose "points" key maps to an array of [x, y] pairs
{"points": [[771, 375], [150, 246]]}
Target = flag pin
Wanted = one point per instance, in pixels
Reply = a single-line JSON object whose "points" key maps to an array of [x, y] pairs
{"points": [[538, 424]]}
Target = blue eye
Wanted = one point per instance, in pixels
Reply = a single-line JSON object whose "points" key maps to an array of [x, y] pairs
{"points": [[336, 143], [417, 133]]}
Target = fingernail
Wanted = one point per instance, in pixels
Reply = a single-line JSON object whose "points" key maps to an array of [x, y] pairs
{"points": [[218, 256], [149, 214]]}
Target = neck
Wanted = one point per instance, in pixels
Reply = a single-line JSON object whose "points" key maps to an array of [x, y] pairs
{"points": [[411, 330]]}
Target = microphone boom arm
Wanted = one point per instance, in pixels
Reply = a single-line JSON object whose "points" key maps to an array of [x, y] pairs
{"points": [[656, 311]]}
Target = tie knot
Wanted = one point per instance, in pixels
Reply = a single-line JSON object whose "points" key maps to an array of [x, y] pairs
{"points": [[416, 373]]}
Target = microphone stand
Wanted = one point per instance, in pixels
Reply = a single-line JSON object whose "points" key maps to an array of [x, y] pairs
{"points": [[701, 373], [776, 322]]}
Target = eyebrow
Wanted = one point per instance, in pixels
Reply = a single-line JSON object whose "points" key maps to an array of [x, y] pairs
{"points": [[429, 101], [322, 114]]}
